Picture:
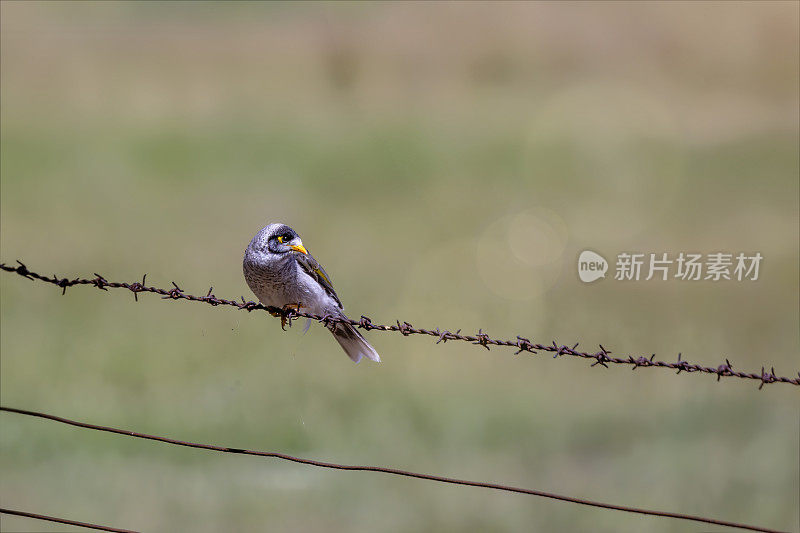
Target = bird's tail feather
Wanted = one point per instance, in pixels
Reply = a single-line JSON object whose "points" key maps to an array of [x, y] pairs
{"points": [[354, 344]]}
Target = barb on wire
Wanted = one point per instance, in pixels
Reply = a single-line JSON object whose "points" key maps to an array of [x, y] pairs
{"points": [[64, 521], [387, 470], [602, 357]]}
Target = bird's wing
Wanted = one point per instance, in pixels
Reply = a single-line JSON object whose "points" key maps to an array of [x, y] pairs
{"points": [[315, 270]]}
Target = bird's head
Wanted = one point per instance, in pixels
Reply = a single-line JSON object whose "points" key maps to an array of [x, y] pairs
{"points": [[277, 240]]}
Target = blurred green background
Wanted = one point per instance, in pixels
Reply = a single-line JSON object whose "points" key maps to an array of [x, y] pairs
{"points": [[446, 163]]}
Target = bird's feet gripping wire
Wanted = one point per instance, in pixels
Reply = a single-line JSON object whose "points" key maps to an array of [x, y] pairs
{"points": [[286, 314]]}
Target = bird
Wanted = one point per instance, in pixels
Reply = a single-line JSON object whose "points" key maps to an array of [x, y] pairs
{"points": [[282, 273]]}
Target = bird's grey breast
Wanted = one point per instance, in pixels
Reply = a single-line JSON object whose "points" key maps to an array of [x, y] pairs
{"points": [[273, 282]]}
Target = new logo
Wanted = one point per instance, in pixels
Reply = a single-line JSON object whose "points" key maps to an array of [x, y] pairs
{"points": [[591, 266]]}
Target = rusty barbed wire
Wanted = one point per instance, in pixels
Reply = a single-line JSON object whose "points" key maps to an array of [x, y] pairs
{"points": [[387, 470], [87, 525], [602, 357]]}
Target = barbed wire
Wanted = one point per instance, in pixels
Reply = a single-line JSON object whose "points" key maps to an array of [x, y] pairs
{"points": [[386, 470], [87, 525], [602, 357]]}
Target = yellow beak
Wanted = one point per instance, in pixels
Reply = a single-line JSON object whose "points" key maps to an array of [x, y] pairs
{"points": [[299, 248]]}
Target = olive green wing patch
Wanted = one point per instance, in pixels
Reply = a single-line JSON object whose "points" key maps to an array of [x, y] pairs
{"points": [[315, 270]]}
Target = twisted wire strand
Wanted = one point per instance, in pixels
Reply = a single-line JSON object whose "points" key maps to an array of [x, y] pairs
{"points": [[602, 357], [392, 471], [87, 525]]}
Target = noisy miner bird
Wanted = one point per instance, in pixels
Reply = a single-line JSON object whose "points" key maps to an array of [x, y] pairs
{"points": [[281, 272]]}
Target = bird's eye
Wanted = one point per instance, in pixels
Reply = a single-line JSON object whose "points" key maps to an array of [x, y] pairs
{"points": [[280, 239], [286, 238]]}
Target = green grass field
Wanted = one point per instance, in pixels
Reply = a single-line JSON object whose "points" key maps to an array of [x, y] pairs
{"points": [[447, 164]]}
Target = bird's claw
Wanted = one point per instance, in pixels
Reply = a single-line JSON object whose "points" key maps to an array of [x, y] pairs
{"points": [[286, 314]]}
